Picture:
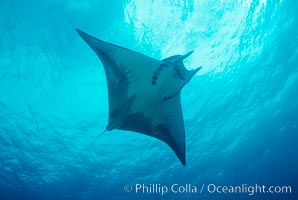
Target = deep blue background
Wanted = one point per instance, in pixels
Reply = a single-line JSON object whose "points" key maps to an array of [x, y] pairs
{"points": [[240, 111]]}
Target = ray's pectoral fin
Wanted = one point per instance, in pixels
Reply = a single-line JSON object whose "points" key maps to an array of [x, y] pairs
{"points": [[170, 128]]}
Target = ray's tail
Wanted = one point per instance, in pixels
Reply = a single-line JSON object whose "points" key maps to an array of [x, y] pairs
{"points": [[103, 132], [80, 154]]}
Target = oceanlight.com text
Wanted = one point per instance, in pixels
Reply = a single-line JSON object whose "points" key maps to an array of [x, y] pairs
{"points": [[249, 189]]}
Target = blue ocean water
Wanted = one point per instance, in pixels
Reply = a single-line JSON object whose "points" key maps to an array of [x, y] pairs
{"points": [[240, 110]]}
